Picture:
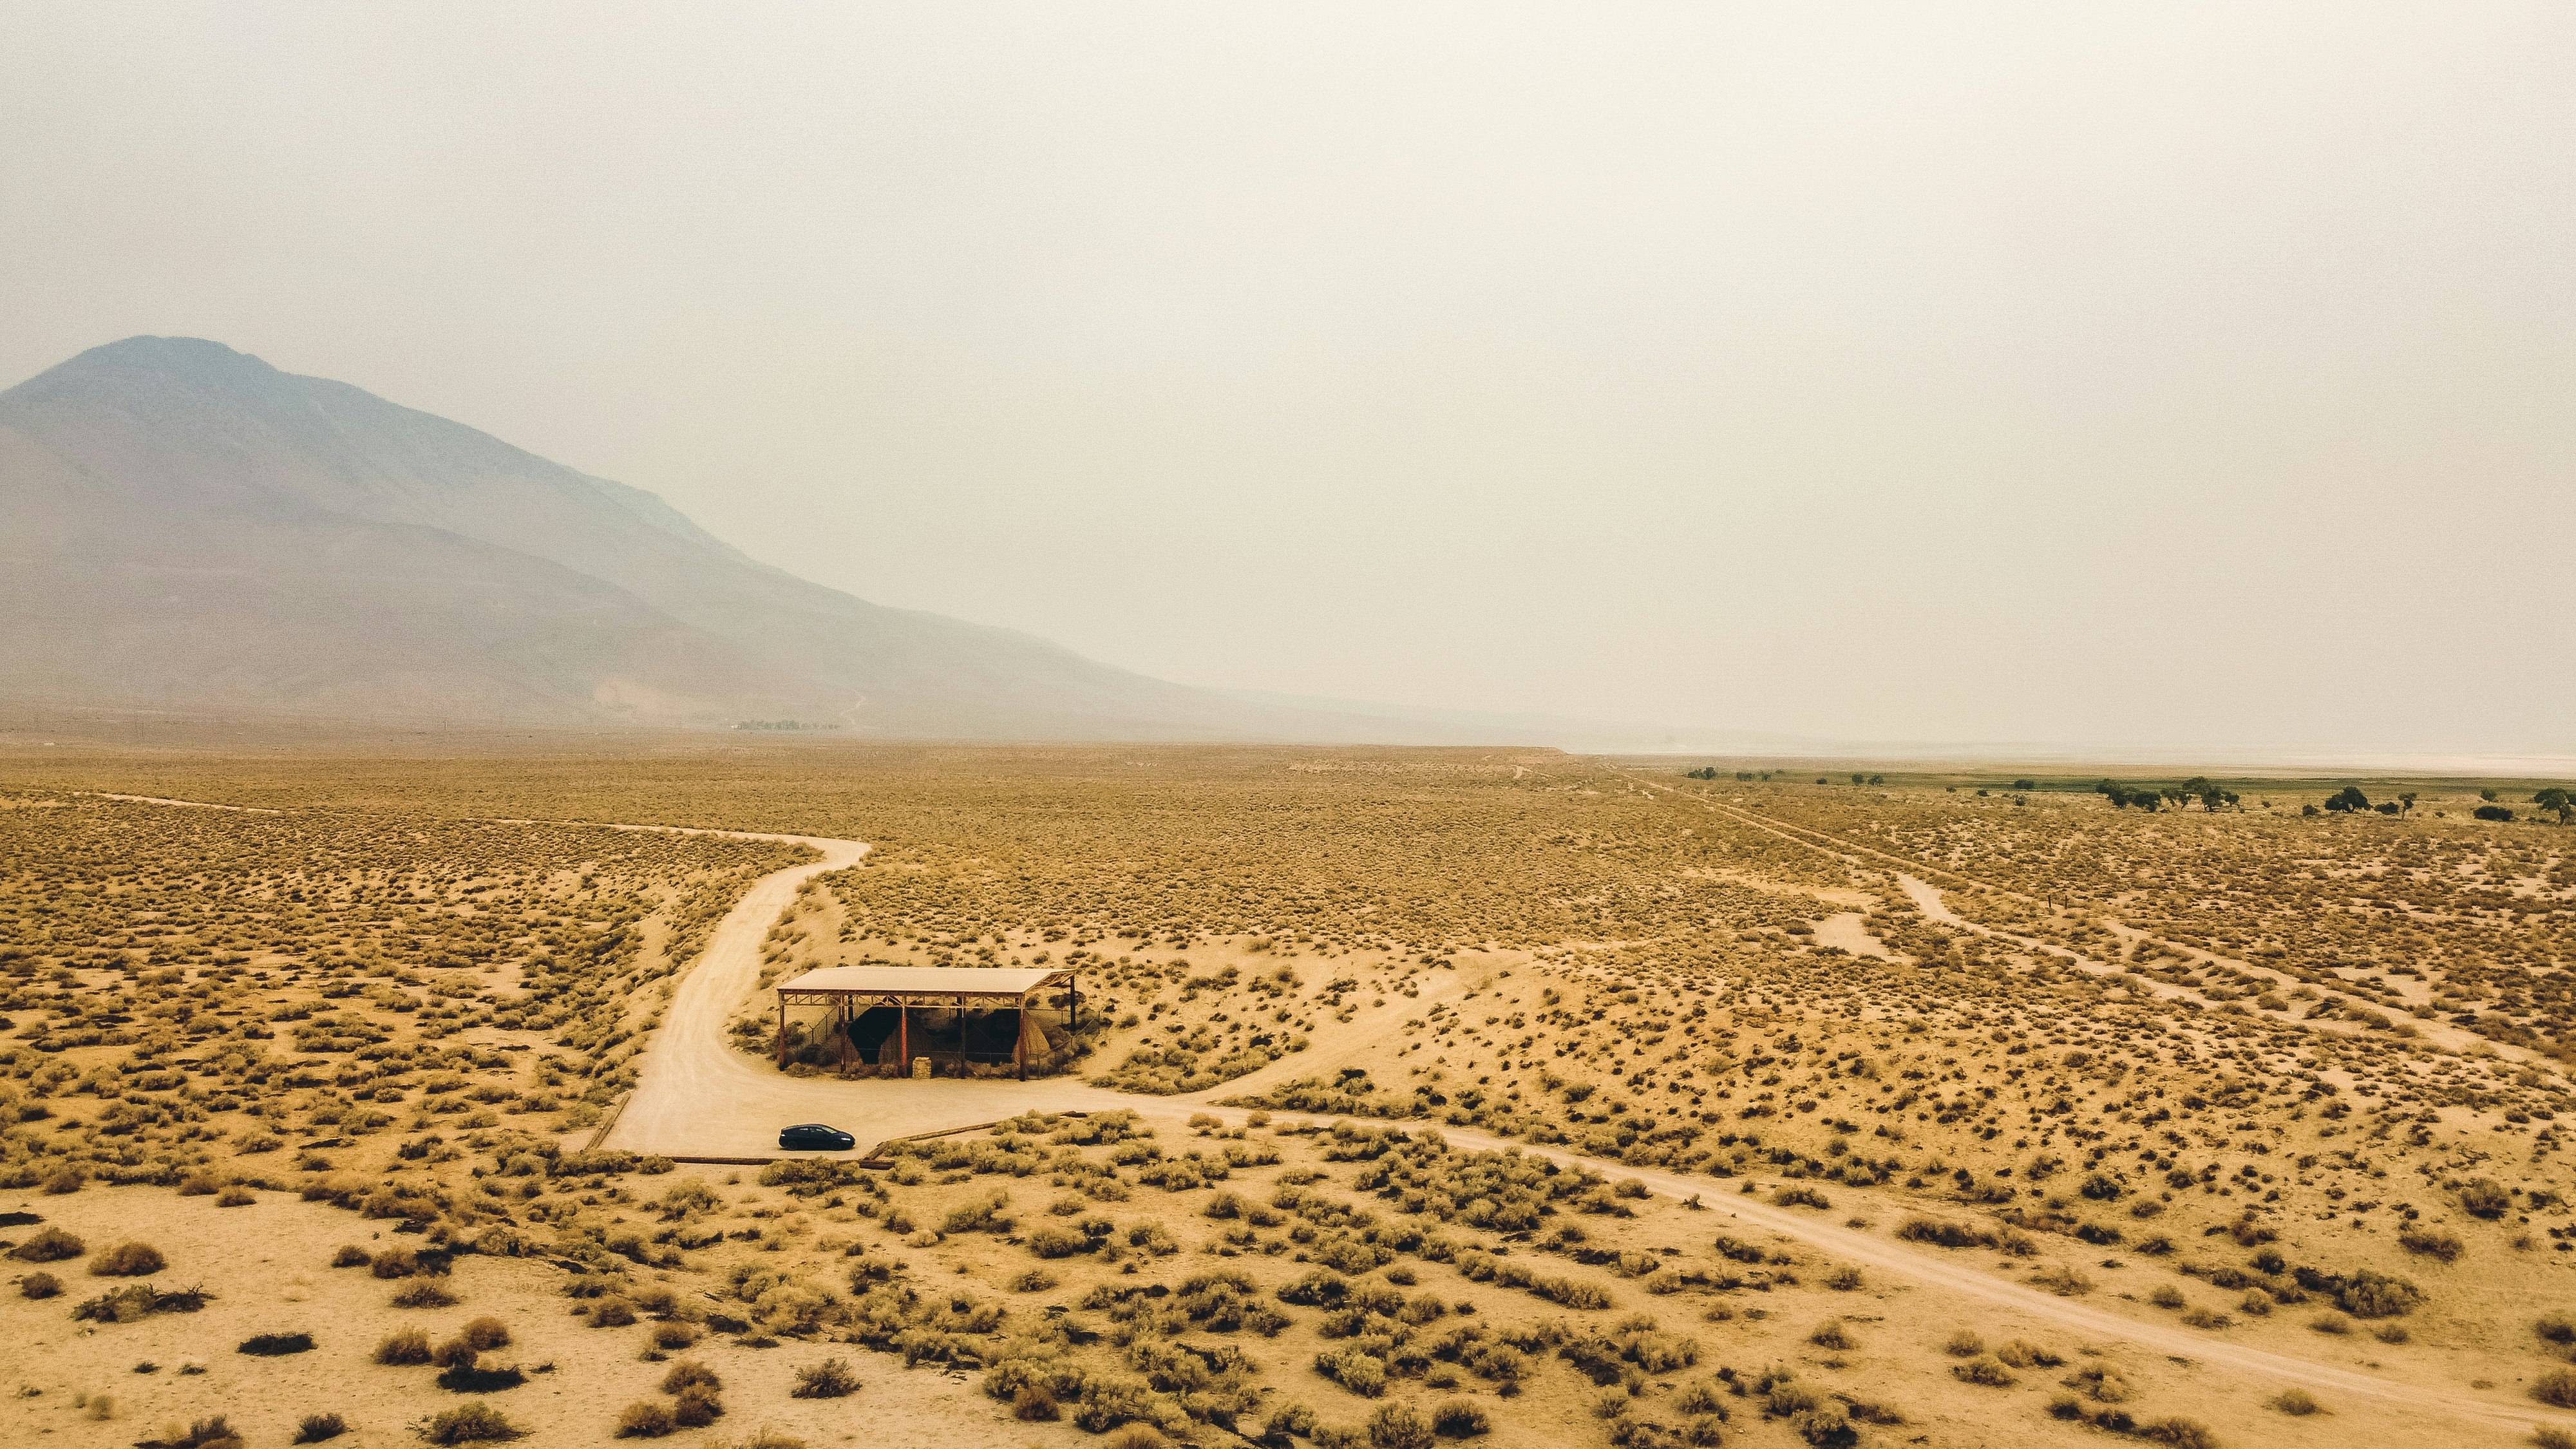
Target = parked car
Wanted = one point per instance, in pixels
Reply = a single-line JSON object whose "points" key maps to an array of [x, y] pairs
{"points": [[815, 1137]]}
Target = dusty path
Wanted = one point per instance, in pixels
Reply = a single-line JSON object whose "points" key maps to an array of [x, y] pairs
{"points": [[696, 1096], [191, 804], [1928, 899]]}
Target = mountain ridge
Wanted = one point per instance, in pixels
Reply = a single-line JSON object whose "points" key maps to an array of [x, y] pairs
{"points": [[243, 515]]}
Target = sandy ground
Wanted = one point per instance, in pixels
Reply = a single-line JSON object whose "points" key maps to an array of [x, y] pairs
{"points": [[283, 1286]]}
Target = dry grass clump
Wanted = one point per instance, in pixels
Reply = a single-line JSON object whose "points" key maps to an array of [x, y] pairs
{"points": [[315, 1428], [403, 1346]]}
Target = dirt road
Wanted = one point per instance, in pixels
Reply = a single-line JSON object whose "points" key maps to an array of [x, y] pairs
{"points": [[1928, 899]]}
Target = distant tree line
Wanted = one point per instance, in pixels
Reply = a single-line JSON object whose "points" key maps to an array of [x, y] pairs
{"points": [[781, 724], [2211, 795]]}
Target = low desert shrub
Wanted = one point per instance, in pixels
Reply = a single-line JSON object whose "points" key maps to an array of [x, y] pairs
{"points": [[128, 1260], [830, 1379], [2432, 1243], [2557, 1387], [403, 1346], [273, 1345], [349, 1256], [1984, 1371], [687, 1373], [314, 1428], [645, 1419], [2297, 1403], [696, 1407], [423, 1293], [2180, 1432], [51, 1245], [39, 1285], [1459, 1419], [1398, 1426], [470, 1424]]}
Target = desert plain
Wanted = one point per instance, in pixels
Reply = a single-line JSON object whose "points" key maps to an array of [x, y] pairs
{"points": [[388, 1094]]}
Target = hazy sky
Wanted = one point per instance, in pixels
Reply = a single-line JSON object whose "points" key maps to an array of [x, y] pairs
{"points": [[2122, 375]]}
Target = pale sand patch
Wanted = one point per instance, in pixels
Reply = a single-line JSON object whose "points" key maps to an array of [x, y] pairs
{"points": [[1850, 931]]}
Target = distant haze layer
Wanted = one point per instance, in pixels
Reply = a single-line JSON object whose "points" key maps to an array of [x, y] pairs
{"points": [[2182, 378]]}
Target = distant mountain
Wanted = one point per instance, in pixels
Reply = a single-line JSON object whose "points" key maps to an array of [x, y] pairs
{"points": [[184, 527]]}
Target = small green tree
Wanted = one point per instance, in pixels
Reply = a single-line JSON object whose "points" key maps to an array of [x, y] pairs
{"points": [[2348, 798], [2557, 800]]}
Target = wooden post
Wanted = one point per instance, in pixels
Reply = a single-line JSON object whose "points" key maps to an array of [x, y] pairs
{"points": [[843, 1050], [961, 1036], [782, 1028], [1073, 989], [903, 1038], [1020, 1039]]}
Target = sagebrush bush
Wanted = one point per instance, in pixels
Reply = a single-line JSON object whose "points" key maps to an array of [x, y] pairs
{"points": [[314, 1428], [49, 1245], [39, 1285], [645, 1419], [688, 1372], [1459, 1419], [696, 1407], [470, 1424], [403, 1346], [128, 1260], [1984, 1371], [612, 1312], [830, 1379]]}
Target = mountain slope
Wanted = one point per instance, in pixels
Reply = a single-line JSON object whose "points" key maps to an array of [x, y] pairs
{"points": [[183, 526]]}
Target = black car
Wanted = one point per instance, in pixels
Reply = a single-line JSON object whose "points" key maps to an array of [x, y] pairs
{"points": [[815, 1137]]}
